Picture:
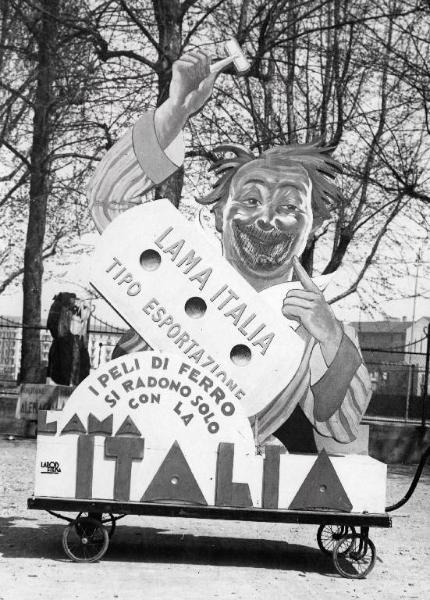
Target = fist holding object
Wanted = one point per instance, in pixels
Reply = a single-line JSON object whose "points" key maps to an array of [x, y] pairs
{"points": [[193, 78]]}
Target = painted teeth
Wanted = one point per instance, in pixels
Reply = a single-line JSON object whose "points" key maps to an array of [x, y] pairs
{"points": [[263, 249], [258, 235]]}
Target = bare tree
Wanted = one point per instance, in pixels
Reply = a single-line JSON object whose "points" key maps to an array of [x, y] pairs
{"points": [[74, 76], [339, 71], [345, 72], [43, 76]]}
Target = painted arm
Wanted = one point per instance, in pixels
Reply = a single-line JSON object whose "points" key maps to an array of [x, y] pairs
{"points": [[338, 395], [130, 169], [153, 149], [334, 397], [339, 386], [332, 384]]}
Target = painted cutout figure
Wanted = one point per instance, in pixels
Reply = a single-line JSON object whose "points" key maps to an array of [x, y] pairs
{"points": [[265, 208]]}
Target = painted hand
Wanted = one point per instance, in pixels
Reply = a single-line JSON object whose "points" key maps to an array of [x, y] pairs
{"points": [[192, 82], [310, 309]]}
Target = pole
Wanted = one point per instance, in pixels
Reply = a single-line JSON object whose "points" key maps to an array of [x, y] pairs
{"points": [[414, 306], [426, 380], [408, 392], [100, 352]]}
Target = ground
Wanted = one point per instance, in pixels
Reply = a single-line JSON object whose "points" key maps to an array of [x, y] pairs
{"points": [[197, 559]]}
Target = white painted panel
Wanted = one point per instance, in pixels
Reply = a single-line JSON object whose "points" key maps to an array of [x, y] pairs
{"points": [[293, 469], [364, 480], [63, 451]]}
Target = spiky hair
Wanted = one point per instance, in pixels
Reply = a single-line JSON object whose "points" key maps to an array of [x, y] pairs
{"points": [[315, 158]]}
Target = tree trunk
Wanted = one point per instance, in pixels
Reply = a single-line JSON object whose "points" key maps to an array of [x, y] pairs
{"points": [[39, 183], [338, 252], [307, 258], [168, 14]]}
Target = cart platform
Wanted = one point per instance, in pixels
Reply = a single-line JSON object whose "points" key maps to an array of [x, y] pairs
{"points": [[302, 517]]}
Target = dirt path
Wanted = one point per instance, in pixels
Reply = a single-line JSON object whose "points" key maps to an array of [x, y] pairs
{"points": [[188, 559]]}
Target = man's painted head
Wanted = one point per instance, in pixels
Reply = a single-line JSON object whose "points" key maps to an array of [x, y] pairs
{"points": [[265, 208]]}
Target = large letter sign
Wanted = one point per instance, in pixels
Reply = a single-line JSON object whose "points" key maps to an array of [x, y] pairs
{"points": [[156, 427]]}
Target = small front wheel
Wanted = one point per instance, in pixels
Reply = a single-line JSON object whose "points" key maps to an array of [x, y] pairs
{"points": [[85, 540], [329, 535], [358, 560]]}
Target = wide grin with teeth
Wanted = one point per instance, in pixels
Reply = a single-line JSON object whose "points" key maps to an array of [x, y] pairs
{"points": [[261, 250]]}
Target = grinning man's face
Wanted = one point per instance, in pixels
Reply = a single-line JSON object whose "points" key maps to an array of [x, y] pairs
{"points": [[266, 221]]}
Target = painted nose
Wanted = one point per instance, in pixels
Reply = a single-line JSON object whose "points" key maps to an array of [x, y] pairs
{"points": [[265, 218], [264, 224]]}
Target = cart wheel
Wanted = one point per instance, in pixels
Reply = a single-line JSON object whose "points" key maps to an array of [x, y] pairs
{"points": [[109, 522], [329, 535], [85, 540], [358, 560]]}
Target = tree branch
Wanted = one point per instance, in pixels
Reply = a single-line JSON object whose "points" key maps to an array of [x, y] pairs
{"points": [[17, 153], [370, 256], [186, 5], [142, 27], [21, 181], [49, 251], [199, 22]]}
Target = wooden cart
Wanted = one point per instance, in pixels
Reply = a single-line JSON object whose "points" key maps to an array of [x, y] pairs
{"points": [[106, 455], [343, 536]]}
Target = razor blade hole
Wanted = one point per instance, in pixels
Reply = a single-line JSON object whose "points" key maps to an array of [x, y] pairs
{"points": [[195, 307], [150, 260], [240, 355]]}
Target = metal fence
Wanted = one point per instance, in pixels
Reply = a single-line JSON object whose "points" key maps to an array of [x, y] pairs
{"points": [[102, 338], [399, 376], [398, 392], [400, 381]]}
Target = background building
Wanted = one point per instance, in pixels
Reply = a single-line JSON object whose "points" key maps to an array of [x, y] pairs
{"points": [[394, 352], [416, 341]]}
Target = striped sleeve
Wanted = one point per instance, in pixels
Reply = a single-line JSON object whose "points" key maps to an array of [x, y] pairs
{"points": [[314, 383], [130, 342], [130, 169], [347, 377]]}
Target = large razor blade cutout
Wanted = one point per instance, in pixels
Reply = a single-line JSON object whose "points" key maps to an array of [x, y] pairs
{"points": [[159, 272]]}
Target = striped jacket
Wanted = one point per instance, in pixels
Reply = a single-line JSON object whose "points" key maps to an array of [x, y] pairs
{"points": [[129, 170]]}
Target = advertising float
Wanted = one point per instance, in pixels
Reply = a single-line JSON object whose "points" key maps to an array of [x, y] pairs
{"points": [[248, 360]]}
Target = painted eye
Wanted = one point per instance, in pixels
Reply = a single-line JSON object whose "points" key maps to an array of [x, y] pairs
{"points": [[250, 201], [288, 208]]}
